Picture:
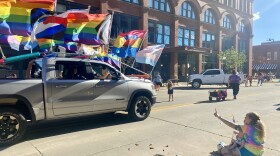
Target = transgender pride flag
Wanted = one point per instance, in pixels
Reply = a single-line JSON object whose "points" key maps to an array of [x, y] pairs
{"points": [[150, 55]]}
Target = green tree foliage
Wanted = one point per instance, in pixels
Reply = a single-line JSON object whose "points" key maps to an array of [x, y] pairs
{"points": [[232, 59]]}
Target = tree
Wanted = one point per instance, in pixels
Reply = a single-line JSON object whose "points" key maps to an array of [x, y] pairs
{"points": [[232, 59]]}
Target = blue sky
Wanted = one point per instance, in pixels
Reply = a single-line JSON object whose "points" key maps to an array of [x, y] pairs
{"points": [[266, 21]]}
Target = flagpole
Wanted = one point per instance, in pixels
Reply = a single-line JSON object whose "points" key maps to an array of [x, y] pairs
{"points": [[3, 56], [89, 6], [134, 68], [140, 47], [55, 4]]}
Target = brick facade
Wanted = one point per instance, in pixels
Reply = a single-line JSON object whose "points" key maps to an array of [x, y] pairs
{"points": [[174, 20], [267, 53]]}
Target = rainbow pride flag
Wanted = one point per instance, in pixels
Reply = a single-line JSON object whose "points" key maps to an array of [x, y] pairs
{"points": [[19, 19], [72, 27], [85, 28], [17, 22], [127, 44]]}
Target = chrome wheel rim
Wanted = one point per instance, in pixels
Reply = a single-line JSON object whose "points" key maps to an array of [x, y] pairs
{"points": [[9, 127], [195, 84]]}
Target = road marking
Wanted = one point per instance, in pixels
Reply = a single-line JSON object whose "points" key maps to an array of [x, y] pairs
{"points": [[160, 108]]}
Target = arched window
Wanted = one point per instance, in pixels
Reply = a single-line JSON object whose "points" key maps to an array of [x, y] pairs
{"points": [[242, 27], [187, 10], [227, 23], [132, 1], [161, 5], [209, 17]]}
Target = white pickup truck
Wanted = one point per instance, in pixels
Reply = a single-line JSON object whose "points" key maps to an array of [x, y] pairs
{"points": [[211, 77]]}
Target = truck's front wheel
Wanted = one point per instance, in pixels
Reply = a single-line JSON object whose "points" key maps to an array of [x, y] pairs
{"points": [[196, 84], [140, 108], [12, 126]]}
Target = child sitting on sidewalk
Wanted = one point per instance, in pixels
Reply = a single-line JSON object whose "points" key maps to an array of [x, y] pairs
{"points": [[239, 142], [170, 89]]}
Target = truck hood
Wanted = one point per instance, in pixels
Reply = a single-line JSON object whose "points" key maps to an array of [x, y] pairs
{"points": [[140, 80], [194, 75]]}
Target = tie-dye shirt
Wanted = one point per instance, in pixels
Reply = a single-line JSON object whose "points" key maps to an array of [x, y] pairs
{"points": [[253, 142]]}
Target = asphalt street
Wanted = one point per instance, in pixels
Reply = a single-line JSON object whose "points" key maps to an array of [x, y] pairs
{"points": [[183, 127]]}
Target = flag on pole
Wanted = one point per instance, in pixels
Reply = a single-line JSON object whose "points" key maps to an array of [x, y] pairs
{"points": [[127, 44], [85, 28], [111, 59], [17, 22], [149, 55], [19, 19]]}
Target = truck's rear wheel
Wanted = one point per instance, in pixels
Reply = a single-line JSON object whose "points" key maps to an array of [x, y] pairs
{"points": [[140, 108], [12, 126], [196, 84]]}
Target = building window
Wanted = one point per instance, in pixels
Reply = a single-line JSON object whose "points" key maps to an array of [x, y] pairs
{"points": [[209, 17], [187, 10], [227, 2], [132, 1], [275, 55], [242, 46], [158, 33], [242, 27], [208, 40], [226, 43], [186, 37], [161, 5], [63, 6], [123, 23], [227, 23], [243, 6], [268, 55]]}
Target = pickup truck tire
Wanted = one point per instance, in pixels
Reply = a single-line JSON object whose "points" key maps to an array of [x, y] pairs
{"points": [[140, 108], [12, 126], [196, 84]]}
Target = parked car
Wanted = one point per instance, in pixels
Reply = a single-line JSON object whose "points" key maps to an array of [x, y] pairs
{"points": [[69, 87], [211, 77]]}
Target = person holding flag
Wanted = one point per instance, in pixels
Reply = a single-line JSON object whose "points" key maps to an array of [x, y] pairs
{"points": [[253, 132]]}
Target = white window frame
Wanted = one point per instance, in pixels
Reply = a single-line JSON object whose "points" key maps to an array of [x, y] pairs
{"points": [[275, 55], [268, 55]]}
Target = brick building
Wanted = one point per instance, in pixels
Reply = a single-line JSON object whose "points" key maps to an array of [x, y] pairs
{"points": [[266, 58], [193, 31]]}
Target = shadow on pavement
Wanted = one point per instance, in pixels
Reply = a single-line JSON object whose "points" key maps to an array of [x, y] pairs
{"points": [[190, 88], [213, 101], [277, 108], [215, 153], [64, 126]]}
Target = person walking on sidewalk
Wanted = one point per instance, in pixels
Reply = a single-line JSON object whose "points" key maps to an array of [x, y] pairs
{"points": [[170, 90], [260, 79], [234, 81], [158, 81]]}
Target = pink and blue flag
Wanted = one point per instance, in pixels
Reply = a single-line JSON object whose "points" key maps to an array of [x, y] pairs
{"points": [[150, 55]]}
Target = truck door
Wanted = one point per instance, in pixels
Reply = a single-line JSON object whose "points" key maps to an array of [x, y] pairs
{"points": [[109, 92], [72, 89], [212, 77]]}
